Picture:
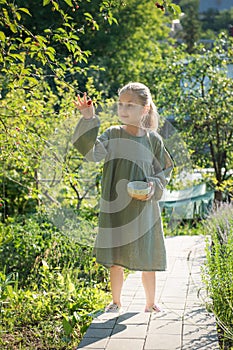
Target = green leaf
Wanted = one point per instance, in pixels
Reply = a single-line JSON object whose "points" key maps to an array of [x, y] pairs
{"points": [[176, 9], [27, 40], [5, 14], [17, 57], [51, 56], [18, 15], [46, 2], [41, 39], [2, 36], [88, 15], [56, 5], [13, 28], [69, 2], [10, 291], [115, 20], [67, 326], [22, 9]]}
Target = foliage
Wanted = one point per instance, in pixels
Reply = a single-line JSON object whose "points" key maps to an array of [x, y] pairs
{"points": [[196, 93], [214, 22], [55, 317], [37, 93], [53, 33], [45, 60], [37, 157], [190, 23], [129, 50], [50, 286], [218, 274], [27, 241], [182, 228]]}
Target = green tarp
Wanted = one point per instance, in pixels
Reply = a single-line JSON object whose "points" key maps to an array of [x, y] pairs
{"points": [[188, 203]]}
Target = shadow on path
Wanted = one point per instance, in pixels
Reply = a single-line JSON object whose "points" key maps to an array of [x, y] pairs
{"points": [[103, 327]]}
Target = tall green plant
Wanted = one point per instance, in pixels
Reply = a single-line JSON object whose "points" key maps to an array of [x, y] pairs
{"points": [[218, 274]]}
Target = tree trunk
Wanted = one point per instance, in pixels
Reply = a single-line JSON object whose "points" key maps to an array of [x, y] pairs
{"points": [[218, 197]]}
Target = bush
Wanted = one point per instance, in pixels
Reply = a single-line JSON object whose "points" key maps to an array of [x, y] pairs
{"points": [[50, 285], [219, 271], [182, 228], [53, 317], [26, 241]]}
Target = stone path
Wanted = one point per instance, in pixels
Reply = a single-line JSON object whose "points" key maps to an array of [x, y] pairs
{"points": [[185, 324]]}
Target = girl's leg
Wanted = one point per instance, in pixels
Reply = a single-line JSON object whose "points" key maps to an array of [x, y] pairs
{"points": [[116, 281], [148, 281]]}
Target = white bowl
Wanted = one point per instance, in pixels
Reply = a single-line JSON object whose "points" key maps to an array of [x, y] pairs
{"points": [[138, 188]]}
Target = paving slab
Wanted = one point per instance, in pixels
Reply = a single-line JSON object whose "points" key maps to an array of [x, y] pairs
{"points": [[163, 342], [93, 343], [184, 324], [125, 344]]}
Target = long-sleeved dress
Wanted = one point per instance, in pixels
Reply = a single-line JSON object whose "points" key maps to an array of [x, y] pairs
{"points": [[130, 231]]}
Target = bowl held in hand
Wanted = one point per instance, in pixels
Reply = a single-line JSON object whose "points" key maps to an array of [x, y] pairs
{"points": [[138, 189]]}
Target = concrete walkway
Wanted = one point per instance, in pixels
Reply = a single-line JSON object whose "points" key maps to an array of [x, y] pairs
{"points": [[185, 323]]}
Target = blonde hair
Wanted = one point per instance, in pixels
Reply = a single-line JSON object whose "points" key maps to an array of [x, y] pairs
{"points": [[151, 120]]}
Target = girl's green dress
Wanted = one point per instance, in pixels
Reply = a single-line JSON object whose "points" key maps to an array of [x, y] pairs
{"points": [[130, 231]]}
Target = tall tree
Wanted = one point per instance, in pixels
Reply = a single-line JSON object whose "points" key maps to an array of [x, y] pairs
{"points": [[129, 50], [214, 22], [197, 91], [191, 24]]}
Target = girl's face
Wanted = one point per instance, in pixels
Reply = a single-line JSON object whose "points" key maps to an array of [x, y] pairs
{"points": [[130, 109]]}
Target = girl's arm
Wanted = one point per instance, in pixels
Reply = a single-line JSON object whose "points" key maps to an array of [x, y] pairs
{"points": [[85, 137]]}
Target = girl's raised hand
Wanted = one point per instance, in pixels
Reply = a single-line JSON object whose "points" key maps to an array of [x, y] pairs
{"points": [[85, 106]]}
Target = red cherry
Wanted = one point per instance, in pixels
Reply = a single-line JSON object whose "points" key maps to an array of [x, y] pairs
{"points": [[89, 103], [161, 7]]}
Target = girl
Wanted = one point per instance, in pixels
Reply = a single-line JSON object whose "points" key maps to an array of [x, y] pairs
{"points": [[130, 230]]}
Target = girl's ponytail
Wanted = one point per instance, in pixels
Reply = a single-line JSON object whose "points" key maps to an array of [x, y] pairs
{"points": [[151, 120]]}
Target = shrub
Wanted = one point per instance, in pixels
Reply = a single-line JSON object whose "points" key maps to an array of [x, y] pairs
{"points": [[50, 285], [53, 318], [218, 274], [26, 241]]}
